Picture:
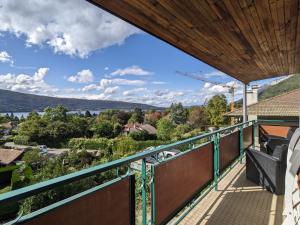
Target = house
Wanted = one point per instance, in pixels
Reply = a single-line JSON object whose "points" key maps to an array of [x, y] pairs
{"points": [[9, 156], [136, 127], [281, 107]]}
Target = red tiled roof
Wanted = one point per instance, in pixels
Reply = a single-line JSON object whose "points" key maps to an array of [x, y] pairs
{"points": [[7, 156]]}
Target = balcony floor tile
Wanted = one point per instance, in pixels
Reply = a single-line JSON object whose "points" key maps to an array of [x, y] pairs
{"points": [[237, 202]]}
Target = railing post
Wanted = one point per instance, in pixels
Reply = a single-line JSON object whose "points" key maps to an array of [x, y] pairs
{"points": [[245, 112], [216, 142], [241, 143], [254, 124], [144, 194], [152, 196]]}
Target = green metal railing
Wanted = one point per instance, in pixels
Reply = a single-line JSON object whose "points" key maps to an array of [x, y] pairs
{"points": [[214, 137]]}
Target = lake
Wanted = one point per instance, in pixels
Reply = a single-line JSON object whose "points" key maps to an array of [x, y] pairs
{"points": [[25, 114]]}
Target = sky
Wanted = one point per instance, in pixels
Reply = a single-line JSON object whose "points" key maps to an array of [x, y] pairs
{"points": [[74, 49]]}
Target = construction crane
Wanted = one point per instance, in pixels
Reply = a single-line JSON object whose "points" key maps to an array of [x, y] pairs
{"points": [[231, 88]]}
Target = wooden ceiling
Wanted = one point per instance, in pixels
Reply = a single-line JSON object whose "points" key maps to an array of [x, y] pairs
{"points": [[247, 39]]}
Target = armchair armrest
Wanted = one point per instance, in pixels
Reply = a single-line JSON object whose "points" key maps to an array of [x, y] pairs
{"points": [[263, 159], [273, 142], [265, 170]]}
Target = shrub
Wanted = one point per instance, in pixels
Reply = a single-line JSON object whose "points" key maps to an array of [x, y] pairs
{"points": [[32, 158], [21, 177], [181, 131], [125, 146], [139, 135], [22, 140]]}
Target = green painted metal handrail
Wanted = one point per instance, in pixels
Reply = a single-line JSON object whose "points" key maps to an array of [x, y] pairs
{"points": [[49, 184]]}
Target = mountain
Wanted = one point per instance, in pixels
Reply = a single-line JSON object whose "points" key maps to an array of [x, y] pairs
{"points": [[271, 90], [11, 101]]}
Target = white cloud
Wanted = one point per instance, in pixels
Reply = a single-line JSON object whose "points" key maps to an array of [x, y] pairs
{"points": [[215, 73], [104, 83], [106, 68], [131, 70], [111, 90], [34, 84], [134, 91], [207, 85], [156, 97], [5, 57], [74, 27], [209, 90], [40, 74], [159, 82], [90, 87], [70, 90], [84, 76]]}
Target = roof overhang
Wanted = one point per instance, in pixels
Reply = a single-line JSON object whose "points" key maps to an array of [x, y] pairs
{"points": [[246, 39]]}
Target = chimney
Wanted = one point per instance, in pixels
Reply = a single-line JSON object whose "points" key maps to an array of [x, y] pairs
{"points": [[252, 95]]}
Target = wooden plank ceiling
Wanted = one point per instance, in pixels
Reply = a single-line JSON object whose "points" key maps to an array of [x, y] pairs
{"points": [[247, 39]]}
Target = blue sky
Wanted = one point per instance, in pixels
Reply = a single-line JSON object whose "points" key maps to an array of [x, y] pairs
{"points": [[50, 48]]}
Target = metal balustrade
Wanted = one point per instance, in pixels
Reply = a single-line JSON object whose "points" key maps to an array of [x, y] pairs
{"points": [[174, 182]]}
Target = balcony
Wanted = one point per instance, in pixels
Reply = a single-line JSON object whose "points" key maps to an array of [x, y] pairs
{"points": [[237, 201], [204, 184]]}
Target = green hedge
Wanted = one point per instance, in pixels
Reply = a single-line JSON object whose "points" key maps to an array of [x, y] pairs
{"points": [[89, 143], [118, 147]]}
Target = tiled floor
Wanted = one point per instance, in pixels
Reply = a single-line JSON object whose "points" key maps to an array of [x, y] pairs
{"points": [[237, 202]]}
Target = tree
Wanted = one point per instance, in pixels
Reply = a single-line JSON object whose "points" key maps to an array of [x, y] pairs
{"points": [[137, 116], [197, 117], [54, 128], [31, 128], [216, 108], [152, 117], [55, 133], [123, 117], [178, 114], [107, 115], [79, 126], [104, 129], [22, 118], [54, 114], [165, 129], [118, 128], [133, 119], [33, 115], [87, 114]]}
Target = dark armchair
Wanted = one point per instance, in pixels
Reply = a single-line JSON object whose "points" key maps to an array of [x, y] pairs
{"points": [[267, 170]]}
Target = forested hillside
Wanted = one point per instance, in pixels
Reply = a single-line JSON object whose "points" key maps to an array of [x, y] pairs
{"points": [[289, 84], [11, 101]]}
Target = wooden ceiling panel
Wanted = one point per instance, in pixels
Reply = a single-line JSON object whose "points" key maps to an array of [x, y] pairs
{"points": [[247, 39]]}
